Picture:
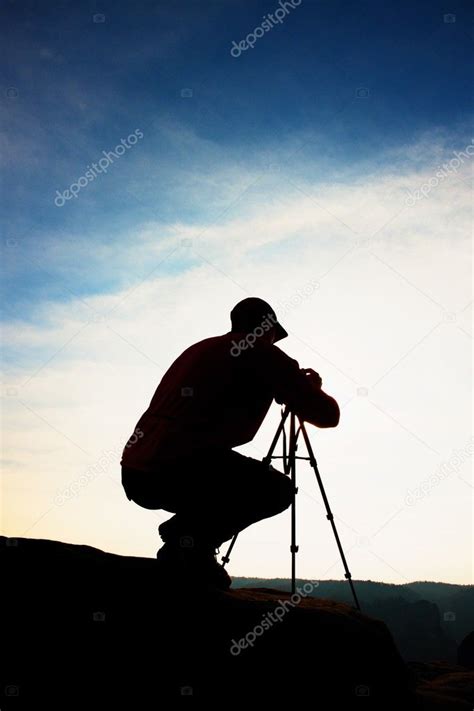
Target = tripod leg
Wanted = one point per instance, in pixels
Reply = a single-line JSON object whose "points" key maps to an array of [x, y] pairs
{"points": [[292, 468], [329, 515], [225, 558], [281, 428]]}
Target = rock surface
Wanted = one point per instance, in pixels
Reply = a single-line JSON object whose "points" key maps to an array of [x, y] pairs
{"points": [[83, 627]]}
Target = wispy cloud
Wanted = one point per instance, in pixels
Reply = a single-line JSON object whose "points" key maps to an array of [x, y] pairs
{"points": [[84, 367]]}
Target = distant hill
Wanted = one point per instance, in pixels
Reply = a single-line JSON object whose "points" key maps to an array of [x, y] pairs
{"points": [[428, 620]]}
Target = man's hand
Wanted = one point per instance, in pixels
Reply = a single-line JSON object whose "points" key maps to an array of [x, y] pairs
{"points": [[322, 410], [314, 377]]}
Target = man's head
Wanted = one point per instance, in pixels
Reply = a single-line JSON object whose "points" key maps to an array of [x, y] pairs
{"points": [[256, 315]]}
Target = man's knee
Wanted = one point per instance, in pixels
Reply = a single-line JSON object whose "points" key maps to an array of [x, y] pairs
{"points": [[282, 493], [139, 488]]}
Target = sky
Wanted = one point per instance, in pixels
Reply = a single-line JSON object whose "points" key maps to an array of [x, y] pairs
{"points": [[162, 161]]}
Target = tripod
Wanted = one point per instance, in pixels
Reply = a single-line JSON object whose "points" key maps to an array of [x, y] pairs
{"points": [[289, 458]]}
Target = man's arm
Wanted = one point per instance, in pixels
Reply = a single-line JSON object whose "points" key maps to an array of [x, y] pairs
{"points": [[320, 409], [300, 389]]}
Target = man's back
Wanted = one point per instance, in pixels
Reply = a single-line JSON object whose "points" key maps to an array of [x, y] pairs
{"points": [[207, 398], [215, 395]]}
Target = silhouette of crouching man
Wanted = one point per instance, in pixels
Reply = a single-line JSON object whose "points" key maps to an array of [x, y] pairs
{"points": [[215, 397]]}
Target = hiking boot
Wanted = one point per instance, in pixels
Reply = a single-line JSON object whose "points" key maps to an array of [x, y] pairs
{"points": [[169, 529], [180, 561], [217, 575]]}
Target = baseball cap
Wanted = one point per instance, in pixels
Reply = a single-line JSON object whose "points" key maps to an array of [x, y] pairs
{"points": [[251, 313]]}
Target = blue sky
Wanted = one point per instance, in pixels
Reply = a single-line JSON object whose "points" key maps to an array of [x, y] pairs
{"points": [[255, 174], [83, 85]]}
